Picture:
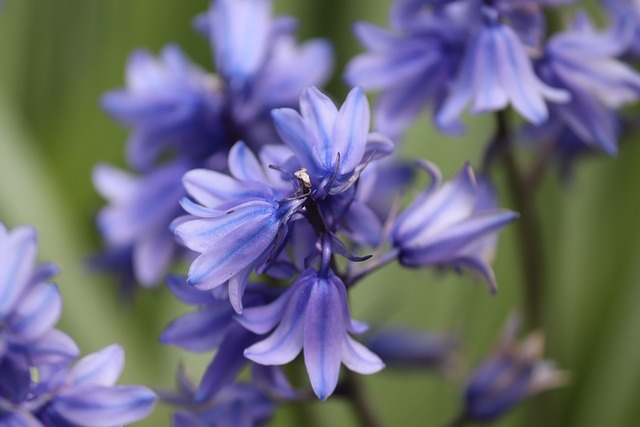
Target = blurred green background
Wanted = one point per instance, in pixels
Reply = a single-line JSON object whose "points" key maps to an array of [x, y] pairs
{"points": [[58, 57]]}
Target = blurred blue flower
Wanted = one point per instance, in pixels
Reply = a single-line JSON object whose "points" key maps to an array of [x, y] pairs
{"points": [[213, 326], [447, 54], [496, 72], [511, 374], [138, 216], [582, 61], [448, 225], [85, 394], [241, 404], [312, 314], [29, 306]]}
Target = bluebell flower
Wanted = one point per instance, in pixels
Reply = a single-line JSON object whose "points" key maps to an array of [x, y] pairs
{"points": [[496, 72], [446, 54], [30, 306], [85, 394], [137, 219], [169, 104], [262, 68], [445, 226], [412, 67], [240, 404], [512, 373], [213, 326], [312, 314], [332, 145], [177, 110], [583, 62], [238, 225]]}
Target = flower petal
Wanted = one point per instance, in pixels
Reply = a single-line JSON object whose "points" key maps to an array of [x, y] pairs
{"points": [[350, 132], [285, 343], [102, 368], [100, 406], [17, 258], [359, 358], [324, 330]]}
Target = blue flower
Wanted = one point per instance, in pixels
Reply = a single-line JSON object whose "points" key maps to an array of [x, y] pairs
{"points": [[448, 225], [85, 394], [137, 219], [332, 145], [29, 305], [511, 374], [240, 404], [213, 326], [495, 73], [238, 225], [446, 54], [312, 314], [168, 103], [411, 66], [582, 62]]}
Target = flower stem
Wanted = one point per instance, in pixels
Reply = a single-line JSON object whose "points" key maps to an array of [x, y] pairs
{"points": [[354, 393], [530, 233]]}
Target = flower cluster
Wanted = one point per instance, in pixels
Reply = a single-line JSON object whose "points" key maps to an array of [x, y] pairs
{"points": [[176, 109], [284, 200], [497, 54], [39, 386]]}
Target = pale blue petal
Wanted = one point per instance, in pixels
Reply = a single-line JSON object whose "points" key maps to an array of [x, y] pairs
{"points": [[199, 331], [234, 251], [244, 165], [319, 114], [99, 406], [102, 368], [241, 31], [53, 348], [18, 251], [324, 329], [359, 358], [151, 256], [37, 313], [285, 343], [350, 131]]}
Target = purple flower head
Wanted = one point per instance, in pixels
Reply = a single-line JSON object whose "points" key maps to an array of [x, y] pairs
{"points": [[263, 68], [333, 146], [312, 314], [447, 225], [412, 67], [137, 219], [496, 72], [29, 306], [213, 326], [240, 404], [240, 222], [85, 395], [582, 61], [512, 373], [168, 104]]}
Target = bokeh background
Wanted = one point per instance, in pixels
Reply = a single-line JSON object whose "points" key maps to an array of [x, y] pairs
{"points": [[58, 57]]}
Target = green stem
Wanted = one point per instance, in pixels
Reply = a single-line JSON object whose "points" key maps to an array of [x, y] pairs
{"points": [[529, 229], [354, 392]]}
